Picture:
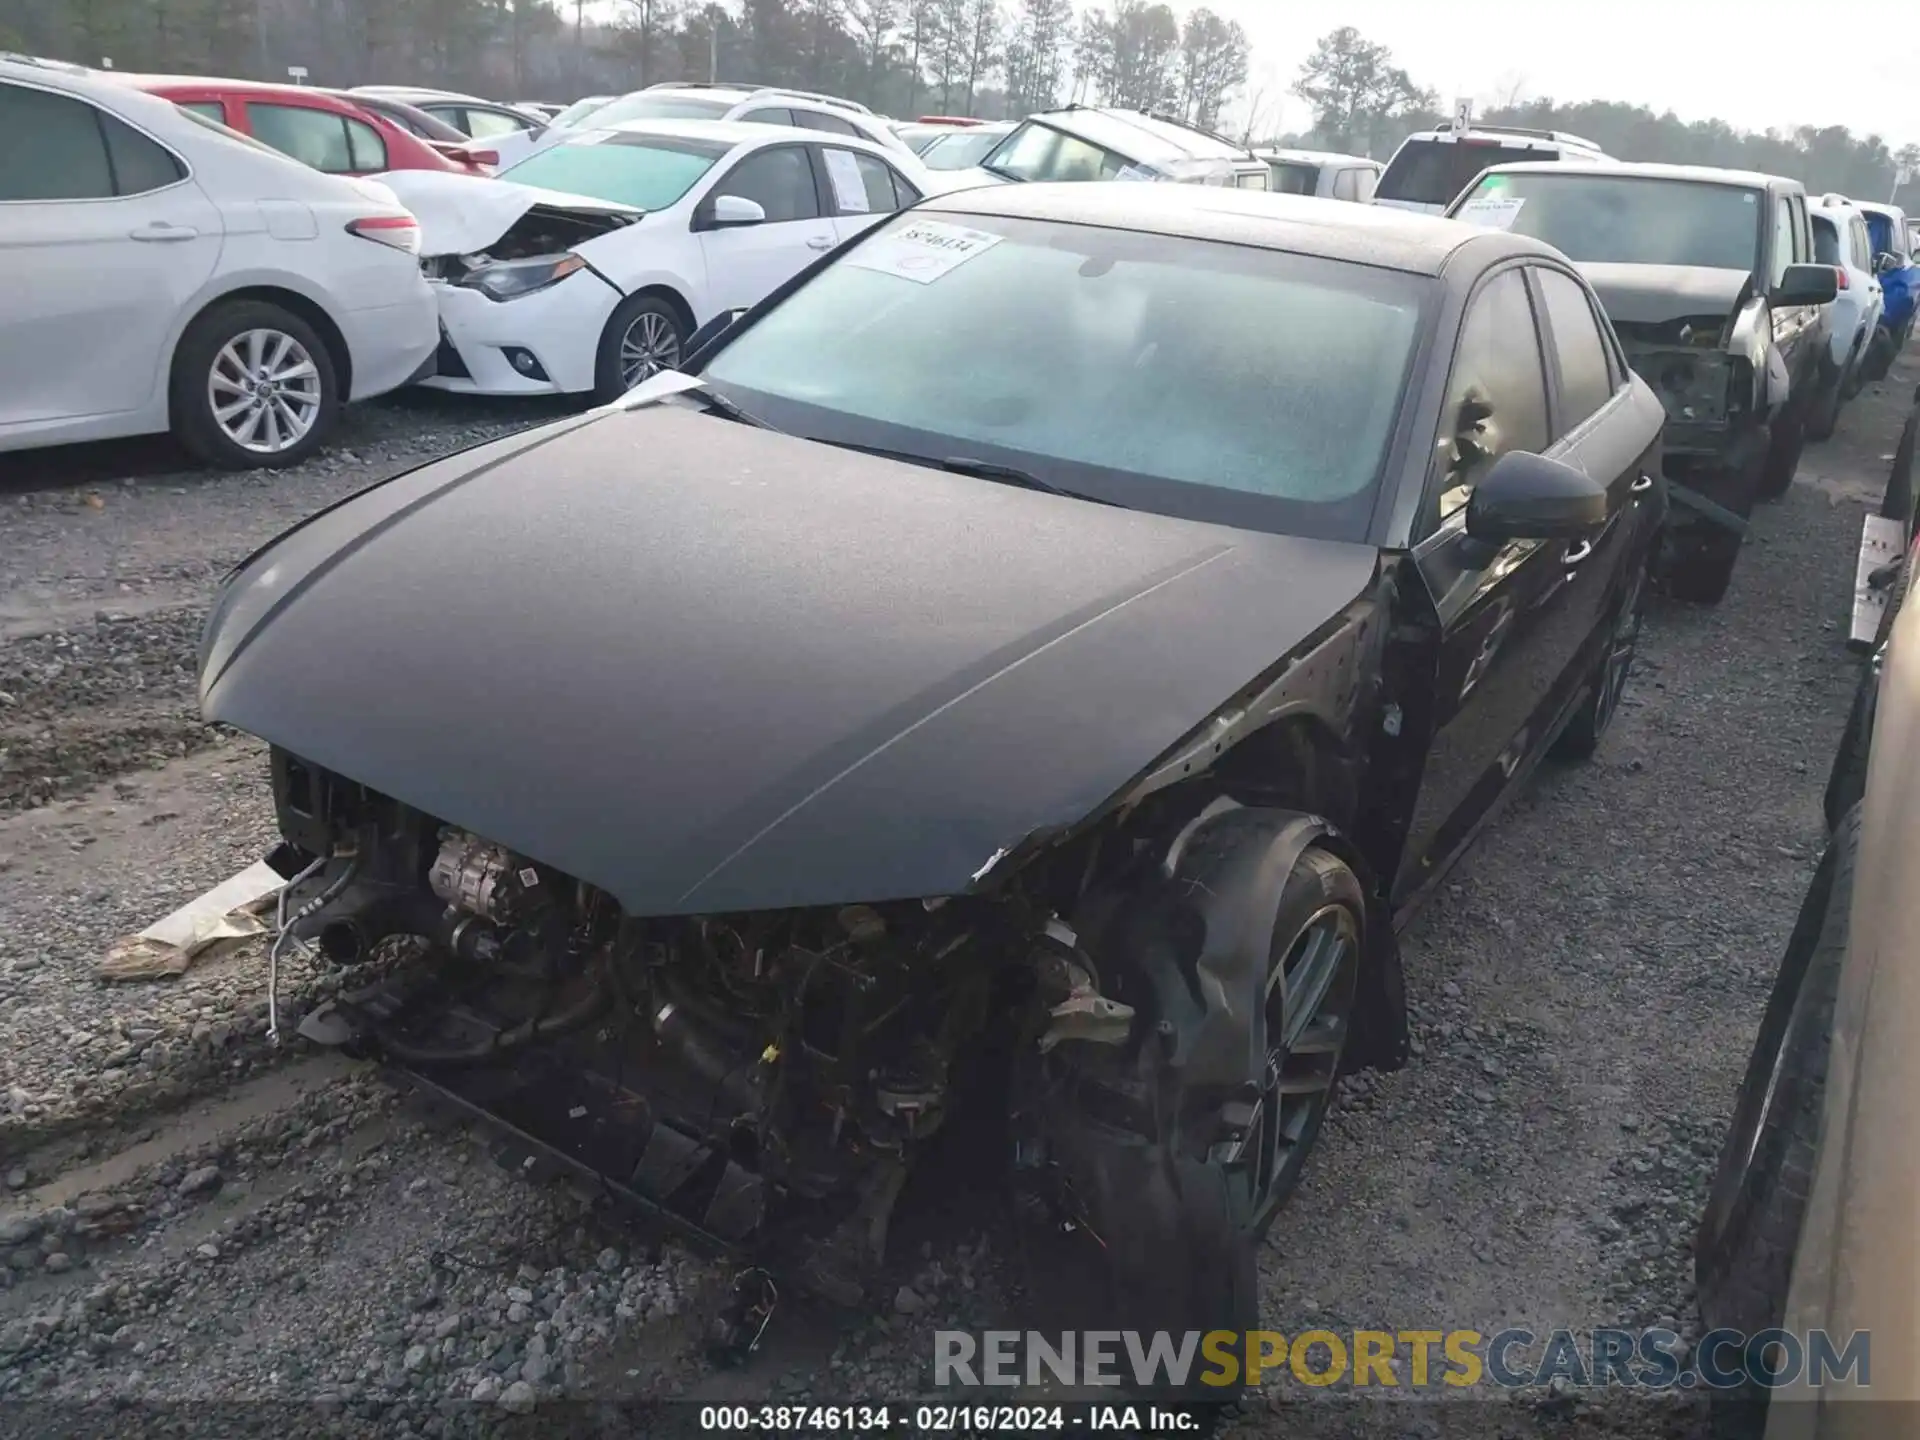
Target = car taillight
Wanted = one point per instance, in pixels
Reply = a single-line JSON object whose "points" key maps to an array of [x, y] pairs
{"points": [[402, 232], [1841, 271]]}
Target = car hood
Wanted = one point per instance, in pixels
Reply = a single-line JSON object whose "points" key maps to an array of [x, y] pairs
{"points": [[464, 214], [1658, 294], [708, 667]]}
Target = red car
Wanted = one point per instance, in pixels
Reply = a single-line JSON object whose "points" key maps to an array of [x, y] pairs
{"points": [[322, 130]]}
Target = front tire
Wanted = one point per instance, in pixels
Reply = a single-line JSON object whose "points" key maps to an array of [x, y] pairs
{"points": [[1180, 1227], [1744, 1249], [1589, 724], [644, 336], [1783, 454], [1825, 418], [252, 386]]}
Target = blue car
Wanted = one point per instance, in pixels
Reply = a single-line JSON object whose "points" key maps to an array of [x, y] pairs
{"points": [[1899, 283]]}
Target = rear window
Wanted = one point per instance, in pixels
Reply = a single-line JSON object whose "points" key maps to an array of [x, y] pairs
{"points": [[1433, 172], [1291, 177], [959, 150], [1634, 220], [661, 107], [1826, 242], [648, 172]]}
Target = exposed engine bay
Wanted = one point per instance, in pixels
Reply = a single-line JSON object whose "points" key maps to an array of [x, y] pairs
{"points": [[748, 1077], [1686, 362], [542, 230]]}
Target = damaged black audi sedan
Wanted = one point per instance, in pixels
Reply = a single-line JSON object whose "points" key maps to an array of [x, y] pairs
{"points": [[1034, 660]]}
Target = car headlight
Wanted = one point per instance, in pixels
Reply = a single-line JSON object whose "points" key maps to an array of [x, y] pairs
{"points": [[510, 279]]}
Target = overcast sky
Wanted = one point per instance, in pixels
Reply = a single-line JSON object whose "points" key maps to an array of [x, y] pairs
{"points": [[1745, 63]]}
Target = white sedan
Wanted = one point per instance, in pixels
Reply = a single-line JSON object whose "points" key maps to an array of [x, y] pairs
{"points": [[158, 271], [586, 267]]}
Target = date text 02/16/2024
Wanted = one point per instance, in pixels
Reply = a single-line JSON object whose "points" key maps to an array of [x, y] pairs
{"points": [[948, 1419]]}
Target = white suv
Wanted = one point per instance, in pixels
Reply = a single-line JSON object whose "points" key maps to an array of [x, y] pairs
{"points": [[163, 272], [1841, 239], [767, 105], [1431, 168]]}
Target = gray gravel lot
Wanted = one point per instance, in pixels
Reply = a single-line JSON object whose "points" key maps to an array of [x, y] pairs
{"points": [[190, 1214]]}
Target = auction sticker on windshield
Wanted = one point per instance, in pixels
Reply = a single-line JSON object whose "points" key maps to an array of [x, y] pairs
{"points": [[923, 251], [1491, 212]]}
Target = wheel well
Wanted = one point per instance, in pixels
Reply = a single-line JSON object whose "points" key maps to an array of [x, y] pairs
{"points": [[673, 298], [1297, 763], [296, 304]]}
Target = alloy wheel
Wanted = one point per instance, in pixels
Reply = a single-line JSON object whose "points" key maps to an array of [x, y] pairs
{"points": [[651, 345], [1620, 651], [1309, 1009], [264, 391]]}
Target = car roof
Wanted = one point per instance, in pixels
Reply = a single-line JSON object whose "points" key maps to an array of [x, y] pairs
{"points": [[1628, 169], [734, 132], [1127, 132], [1335, 229], [328, 98], [1318, 157], [1886, 212]]}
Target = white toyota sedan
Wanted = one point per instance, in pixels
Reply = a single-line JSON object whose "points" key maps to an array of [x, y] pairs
{"points": [[586, 267], [159, 271]]}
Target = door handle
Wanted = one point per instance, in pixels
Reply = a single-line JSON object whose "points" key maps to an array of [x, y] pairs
{"points": [[1577, 552], [1641, 486], [161, 230], [819, 242]]}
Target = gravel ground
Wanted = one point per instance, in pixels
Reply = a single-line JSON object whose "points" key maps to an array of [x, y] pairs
{"points": [[194, 1215]]}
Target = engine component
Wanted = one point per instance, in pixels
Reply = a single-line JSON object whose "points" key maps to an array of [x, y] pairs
{"points": [[681, 1034], [1084, 1013], [484, 879]]}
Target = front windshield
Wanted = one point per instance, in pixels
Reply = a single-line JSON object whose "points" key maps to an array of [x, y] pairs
{"points": [[580, 109], [1218, 382], [1039, 152], [649, 172], [960, 150], [1630, 220], [659, 105]]}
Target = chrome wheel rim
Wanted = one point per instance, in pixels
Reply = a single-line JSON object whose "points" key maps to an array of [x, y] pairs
{"points": [[264, 391], [651, 344], [1309, 1007], [1620, 652]]}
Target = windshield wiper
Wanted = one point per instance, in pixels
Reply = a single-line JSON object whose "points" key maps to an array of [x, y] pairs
{"points": [[1004, 173], [720, 404], [967, 465]]}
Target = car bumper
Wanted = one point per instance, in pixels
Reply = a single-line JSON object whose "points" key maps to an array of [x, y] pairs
{"points": [[556, 332], [389, 343]]}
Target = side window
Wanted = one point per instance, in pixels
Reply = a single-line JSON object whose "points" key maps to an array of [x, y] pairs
{"points": [[1585, 381], [776, 116], [1783, 239], [313, 137], [1346, 185], [1497, 394], [1802, 238], [814, 120], [1826, 242], [1365, 180], [66, 158], [1253, 180], [139, 164], [1862, 246], [485, 124], [780, 179], [207, 110], [365, 147]]}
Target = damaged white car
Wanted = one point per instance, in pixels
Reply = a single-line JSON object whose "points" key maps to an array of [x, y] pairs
{"points": [[586, 267]]}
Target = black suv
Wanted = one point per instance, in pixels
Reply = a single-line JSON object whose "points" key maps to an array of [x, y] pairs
{"points": [[1708, 278]]}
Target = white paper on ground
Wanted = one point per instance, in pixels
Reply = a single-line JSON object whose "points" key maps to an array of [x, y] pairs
{"points": [[235, 909], [922, 251]]}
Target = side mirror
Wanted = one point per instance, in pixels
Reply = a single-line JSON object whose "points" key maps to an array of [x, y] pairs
{"points": [[1529, 497], [732, 210], [711, 331], [1806, 285], [1885, 261]]}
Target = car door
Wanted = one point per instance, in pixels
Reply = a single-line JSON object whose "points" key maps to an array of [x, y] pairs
{"points": [[1595, 432], [1501, 656], [1860, 246], [103, 238], [1796, 328], [862, 189], [745, 262]]}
